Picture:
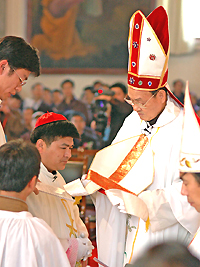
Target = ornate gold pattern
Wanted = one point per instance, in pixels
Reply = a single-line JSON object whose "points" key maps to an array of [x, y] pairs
{"points": [[73, 231]]}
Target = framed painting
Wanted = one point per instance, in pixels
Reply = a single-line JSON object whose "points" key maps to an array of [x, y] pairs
{"points": [[2, 17], [83, 36]]}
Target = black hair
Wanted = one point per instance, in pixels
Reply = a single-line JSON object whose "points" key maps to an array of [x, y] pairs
{"points": [[161, 88], [197, 176], [20, 161], [77, 113], [19, 54], [16, 96], [50, 132], [178, 80], [67, 81], [47, 90], [36, 84], [57, 91], [96, 82], [168, 254], [120, 85], [89, 88]]}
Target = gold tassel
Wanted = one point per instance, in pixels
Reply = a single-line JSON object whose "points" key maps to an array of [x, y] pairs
{"points": [[77, 200], [147, 224]]}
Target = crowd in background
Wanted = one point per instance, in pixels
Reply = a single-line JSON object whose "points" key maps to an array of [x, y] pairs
{"points": [[98, 114]]}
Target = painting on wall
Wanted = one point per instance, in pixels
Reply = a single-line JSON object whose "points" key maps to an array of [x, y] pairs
{"points": [[2, 18], [83, 36]]}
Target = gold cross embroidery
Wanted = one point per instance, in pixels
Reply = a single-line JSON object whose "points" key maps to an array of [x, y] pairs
{"points": [[73, 231]]}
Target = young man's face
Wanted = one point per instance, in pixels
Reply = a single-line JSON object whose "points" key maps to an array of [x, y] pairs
{"points": [[55, 156], [27, 114], [67, 89], [57, 97], [10, 84], [191, 189], [38, 92], [79, 122], [88, 97]]}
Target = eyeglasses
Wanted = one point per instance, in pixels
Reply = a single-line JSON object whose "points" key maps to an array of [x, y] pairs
{"points": [[21, 81], [135, 102]]}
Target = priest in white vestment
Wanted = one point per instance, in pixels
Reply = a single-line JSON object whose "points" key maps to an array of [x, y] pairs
{"points": [[25, 240], [53, 136]]}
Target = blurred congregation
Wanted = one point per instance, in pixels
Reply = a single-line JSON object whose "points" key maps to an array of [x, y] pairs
{"points": [[98, 114]]}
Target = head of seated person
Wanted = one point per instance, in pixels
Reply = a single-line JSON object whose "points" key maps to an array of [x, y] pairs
{"points": [[79, 120], [19, 169], [169, 254]]}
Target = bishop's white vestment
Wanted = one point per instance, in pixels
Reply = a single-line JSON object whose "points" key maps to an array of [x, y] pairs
{"points": [[27, 241], [121, 238]]}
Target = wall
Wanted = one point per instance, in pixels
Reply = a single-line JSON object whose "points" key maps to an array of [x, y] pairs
{"points": [[185, 67]]}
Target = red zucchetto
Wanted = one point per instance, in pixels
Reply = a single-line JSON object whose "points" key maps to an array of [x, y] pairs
{"points": [[48, 118]]}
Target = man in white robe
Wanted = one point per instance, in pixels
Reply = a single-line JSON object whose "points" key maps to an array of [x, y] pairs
{"points": [[190, 164], [53, 136], [170, 216], [157, 118], [18, 60], [25, 240]]}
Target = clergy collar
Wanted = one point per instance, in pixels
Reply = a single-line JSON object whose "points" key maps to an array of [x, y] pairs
{"points": [[12, 204], [170, 113], [52, 175], [153, 121]]}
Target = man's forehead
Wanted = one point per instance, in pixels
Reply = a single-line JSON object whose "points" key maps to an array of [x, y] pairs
{"points": [[68, 140], [187, 176], [138, 93]]}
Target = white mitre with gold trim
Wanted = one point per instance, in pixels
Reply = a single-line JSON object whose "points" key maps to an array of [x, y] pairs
{"points": [[190, 145]]}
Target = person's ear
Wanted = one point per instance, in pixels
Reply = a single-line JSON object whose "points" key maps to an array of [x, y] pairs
{"points": [[40, 144], [3, 64], [162, 96], [31, 184]]}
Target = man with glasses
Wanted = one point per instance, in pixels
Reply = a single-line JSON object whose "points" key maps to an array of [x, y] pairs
{"points": [[152, 162], [18, 60]]}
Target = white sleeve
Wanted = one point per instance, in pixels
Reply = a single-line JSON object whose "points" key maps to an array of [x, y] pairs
{"points": [[53, 254], [167, 206], [160, 212], [185, 214]]}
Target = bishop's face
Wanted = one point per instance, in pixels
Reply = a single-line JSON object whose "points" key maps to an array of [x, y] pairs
{"points": [[147, 106]]}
